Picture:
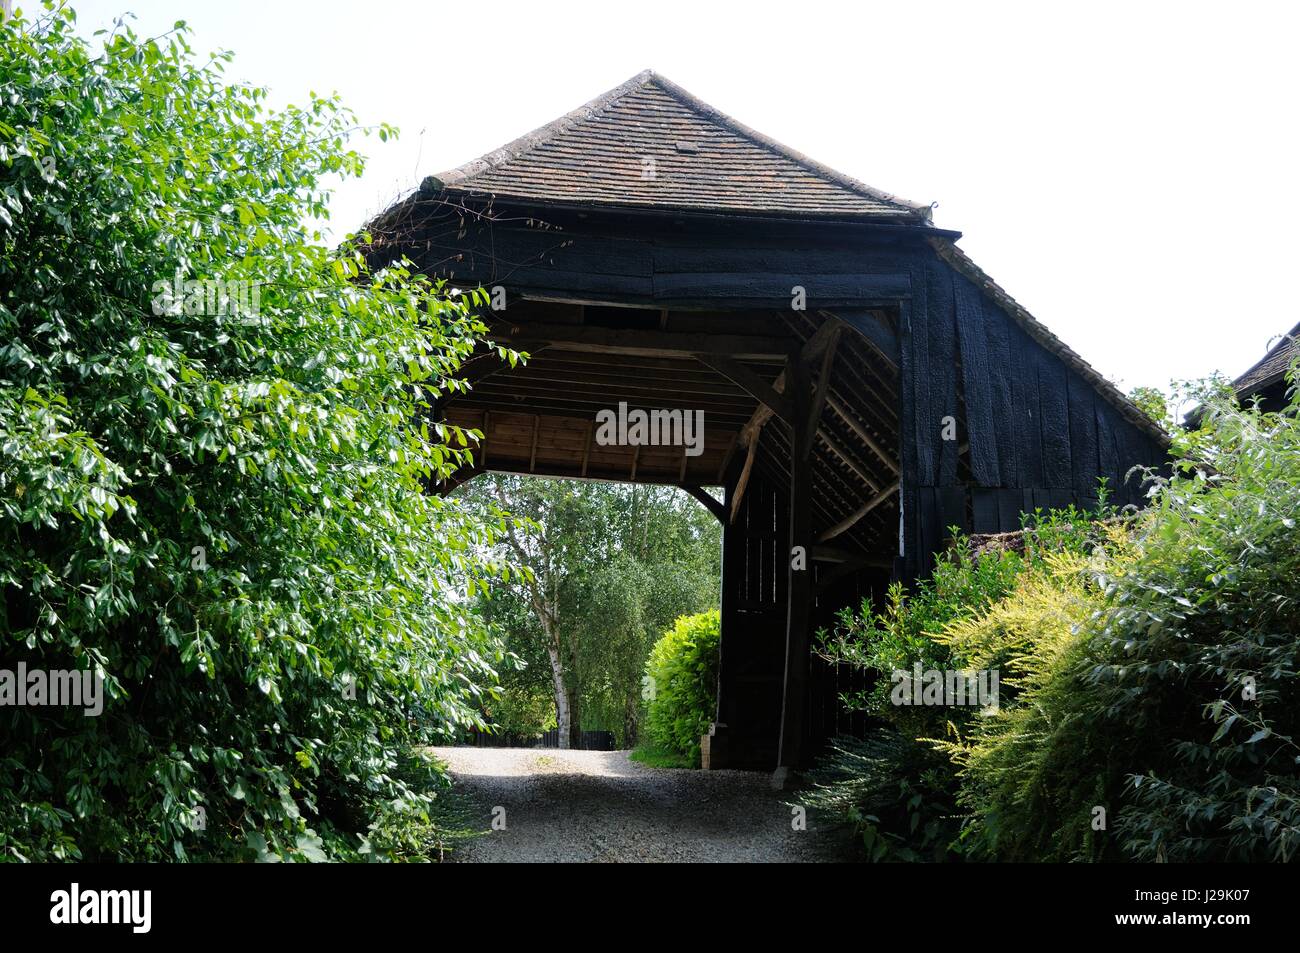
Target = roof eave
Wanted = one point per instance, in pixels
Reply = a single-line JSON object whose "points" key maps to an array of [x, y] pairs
{"points": [[901, 218]]}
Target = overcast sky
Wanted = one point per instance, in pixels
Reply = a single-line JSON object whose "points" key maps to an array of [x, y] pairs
{"points": [[1128, 172]]}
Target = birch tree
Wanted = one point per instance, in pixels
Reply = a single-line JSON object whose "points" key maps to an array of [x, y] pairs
{"points": [[609, 567]]}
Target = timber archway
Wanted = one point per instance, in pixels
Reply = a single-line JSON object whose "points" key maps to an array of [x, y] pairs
{"points": [[864, 386]]}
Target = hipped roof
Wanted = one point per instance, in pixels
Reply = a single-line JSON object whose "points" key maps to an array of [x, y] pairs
{"points": [[650, 144]]}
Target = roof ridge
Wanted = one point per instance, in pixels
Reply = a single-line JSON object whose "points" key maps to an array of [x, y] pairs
{"points": [[593, 108]]}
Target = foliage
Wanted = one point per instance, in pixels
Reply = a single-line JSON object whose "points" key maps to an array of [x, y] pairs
{"points": [[897, 635], [683, 680], [1153, 402], [1198, 652], [450, 819], [895, 788], [656, 756], [1150, 667], [1170, 701], [1027, 799], [215, 503], [612, 565], [897, 794], [522, 709]]}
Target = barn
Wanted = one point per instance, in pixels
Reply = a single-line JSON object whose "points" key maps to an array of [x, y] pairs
{"points": [[1266, 380], [863, 386]]}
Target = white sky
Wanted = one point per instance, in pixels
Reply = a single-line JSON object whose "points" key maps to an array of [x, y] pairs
{"points": [[1128, 172]]}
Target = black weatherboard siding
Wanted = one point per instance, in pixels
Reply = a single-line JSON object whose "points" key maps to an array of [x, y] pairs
{"points": [[1038, 435]]}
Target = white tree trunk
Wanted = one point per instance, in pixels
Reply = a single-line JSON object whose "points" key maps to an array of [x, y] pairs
{"points": [[561, 695]]}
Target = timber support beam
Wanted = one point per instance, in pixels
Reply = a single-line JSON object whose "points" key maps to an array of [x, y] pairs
{"points": [[799, 574], [586, 337], [708, 501], [743, 377]]}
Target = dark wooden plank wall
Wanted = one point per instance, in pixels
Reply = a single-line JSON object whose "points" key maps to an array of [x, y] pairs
{"points": [[1039, 435], [754, 590], [752, 658], [665, 268]]}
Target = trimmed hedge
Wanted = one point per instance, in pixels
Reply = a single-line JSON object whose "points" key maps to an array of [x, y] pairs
{"points": [[682, 685]]}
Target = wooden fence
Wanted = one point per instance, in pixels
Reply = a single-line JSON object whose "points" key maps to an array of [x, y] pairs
{"points": [[589, 741]]}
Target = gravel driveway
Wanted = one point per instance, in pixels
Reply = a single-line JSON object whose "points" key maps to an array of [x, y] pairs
{"points": [[599, 806]]}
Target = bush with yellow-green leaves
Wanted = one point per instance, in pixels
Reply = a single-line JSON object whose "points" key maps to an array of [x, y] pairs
{"points": [[1149, 706]]}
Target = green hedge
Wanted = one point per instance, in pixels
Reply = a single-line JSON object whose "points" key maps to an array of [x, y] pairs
{"points": [[682, 683]]}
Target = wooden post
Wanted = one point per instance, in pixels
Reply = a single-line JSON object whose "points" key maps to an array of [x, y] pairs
{"points": [[799, 573], [729, 640]]}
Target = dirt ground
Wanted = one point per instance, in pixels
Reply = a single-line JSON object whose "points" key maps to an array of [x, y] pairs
{"points": [[600, 806]]}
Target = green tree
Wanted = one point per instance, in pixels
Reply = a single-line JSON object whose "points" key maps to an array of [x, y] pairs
{"points": [[212, 472], [1153, 402], [611, 567]]}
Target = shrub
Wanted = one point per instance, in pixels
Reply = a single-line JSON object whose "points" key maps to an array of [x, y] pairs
{"points": [[1149, 703], [219, 508], [683, 674], [899, 634], [895, 788], [896, 793], [1031, 771], [522, 710], [892, 788], [1198, 654], [1161, 681]]}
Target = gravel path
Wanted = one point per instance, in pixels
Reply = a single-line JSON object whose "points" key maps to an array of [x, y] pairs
{"points": [[599, 806]]}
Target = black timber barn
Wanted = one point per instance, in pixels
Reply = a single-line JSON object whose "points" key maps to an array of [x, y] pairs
{"points": [[865, 386]]}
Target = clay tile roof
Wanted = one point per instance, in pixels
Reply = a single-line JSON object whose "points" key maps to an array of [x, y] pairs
{"points": [[1272, 367], [650, 144]]}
